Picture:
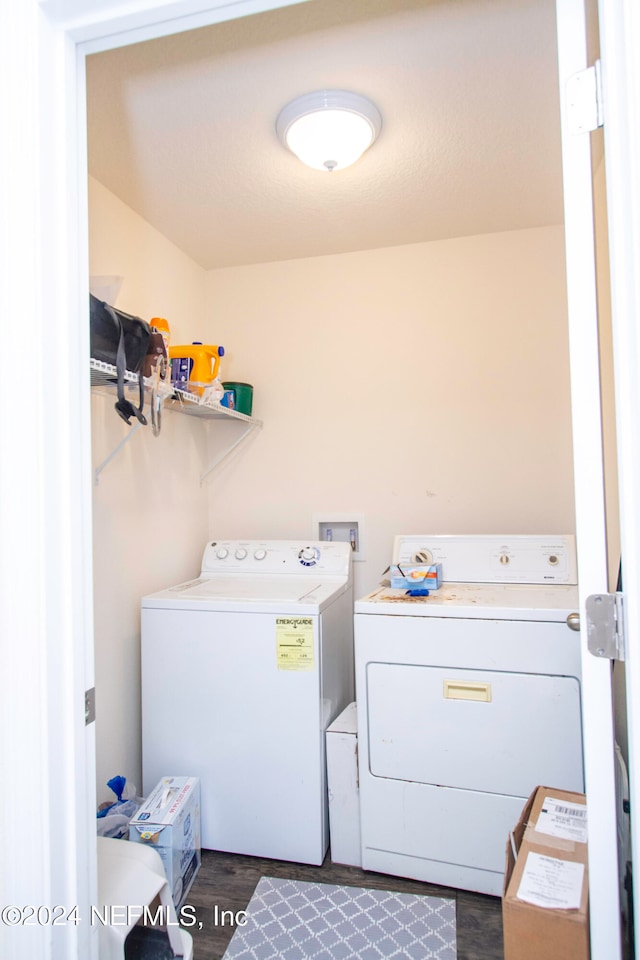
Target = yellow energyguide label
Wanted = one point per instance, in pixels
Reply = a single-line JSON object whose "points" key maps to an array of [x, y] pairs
{"points": [[294, 643]]}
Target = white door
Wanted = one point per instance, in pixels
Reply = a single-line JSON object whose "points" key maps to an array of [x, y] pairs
{"points": [[454, 754], [619, 45], [598, 713]]}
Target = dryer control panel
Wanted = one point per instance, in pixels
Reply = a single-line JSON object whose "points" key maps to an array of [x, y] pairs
{"points": [[277, 557], [491, 558]]}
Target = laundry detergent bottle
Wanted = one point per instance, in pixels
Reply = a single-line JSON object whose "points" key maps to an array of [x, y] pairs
{"points": [[195, 365]]}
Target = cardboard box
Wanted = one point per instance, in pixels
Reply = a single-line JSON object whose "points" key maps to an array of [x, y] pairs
{"points": [[545, 910], [344, 793], [169, 820], [416, 575]]}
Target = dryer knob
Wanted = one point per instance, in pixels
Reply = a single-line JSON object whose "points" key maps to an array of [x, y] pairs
{"points": [[241, 553], [260, 554], [222, 553], [504, 559], [423, 556], [309, 556]]}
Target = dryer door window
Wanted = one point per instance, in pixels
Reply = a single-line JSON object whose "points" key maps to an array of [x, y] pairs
{"points": [[497, 732]]}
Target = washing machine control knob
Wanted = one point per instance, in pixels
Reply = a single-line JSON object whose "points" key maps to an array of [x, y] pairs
{"points": [[309, 556], [504, 559], [241, 553], [260, 554], [222, 553]]}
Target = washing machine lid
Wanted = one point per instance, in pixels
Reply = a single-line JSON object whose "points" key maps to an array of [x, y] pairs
{"points": [[234, 593], [477, 601]]}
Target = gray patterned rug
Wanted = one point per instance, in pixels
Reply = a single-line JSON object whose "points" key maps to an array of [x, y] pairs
{"points": [[292, 920]]}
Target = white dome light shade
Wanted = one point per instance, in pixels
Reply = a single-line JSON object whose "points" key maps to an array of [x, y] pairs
{"points": [[330, 129]]}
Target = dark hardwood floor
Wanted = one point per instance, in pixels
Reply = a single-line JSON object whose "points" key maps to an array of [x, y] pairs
{"points": [[227, 881]]}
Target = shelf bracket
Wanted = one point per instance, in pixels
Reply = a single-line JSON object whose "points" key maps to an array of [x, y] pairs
{"points": [[250, 427], [104, 376], [98, 470]]}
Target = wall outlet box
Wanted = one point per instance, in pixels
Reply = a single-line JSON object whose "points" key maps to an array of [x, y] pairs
{"points": [[343, 527]]}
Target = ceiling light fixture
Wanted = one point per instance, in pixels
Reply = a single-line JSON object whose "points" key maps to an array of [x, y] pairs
{"points": [[329, 129]]}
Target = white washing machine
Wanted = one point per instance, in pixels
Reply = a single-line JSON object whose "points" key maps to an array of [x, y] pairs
{"points": [[243, 670], [467, 700]]}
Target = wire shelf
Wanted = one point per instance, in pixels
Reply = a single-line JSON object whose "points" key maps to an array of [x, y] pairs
{"points": [[104, 376], [104, 379]]}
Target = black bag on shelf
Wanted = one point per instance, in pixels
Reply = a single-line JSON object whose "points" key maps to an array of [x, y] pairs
{"points": [[121, 340]]}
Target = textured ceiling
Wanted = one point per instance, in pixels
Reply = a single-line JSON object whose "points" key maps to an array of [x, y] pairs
{"points": [[182, 129]]}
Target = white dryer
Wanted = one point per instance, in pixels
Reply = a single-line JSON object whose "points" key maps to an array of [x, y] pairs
{"points": [[467, 700], [243, 670]]}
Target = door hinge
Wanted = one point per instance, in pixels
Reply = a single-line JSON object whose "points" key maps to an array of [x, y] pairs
{"points": [[584, 100], [89, 706], [605, 625]]}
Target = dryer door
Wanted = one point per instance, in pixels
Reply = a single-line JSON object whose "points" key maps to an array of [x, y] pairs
{"points": [[495, 732]]}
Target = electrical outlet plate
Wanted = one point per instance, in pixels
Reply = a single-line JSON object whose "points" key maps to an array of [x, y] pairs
{"points": [[345, 527]]}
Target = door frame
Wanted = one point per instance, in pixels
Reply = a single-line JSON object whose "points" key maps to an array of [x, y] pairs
{"points": [[47, 482], [619, 24], [588, 465]]}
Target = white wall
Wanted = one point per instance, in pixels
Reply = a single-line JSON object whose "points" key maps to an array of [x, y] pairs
{"points": [[150, 513], [424, 386]]}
